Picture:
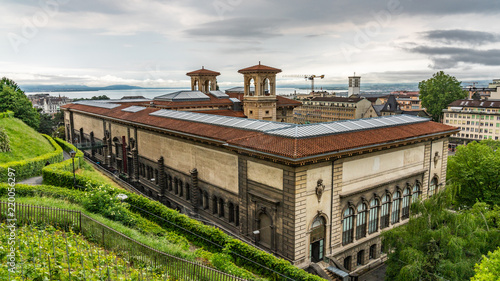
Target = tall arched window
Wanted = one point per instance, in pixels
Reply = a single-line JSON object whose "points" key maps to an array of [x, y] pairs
{"points": [[348, 226], [415, 192], [221, 207], [384, 214], [181, 188], [176, 186], [373, 221], [396, 199], [231, 212], [188, 192], [361, 221], [214, 205], [432, 186], [406, 203]]}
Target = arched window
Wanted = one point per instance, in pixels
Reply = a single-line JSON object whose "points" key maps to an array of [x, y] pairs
{"points": [[317, 239], [406, 203], [231, 212], [237, 215], [361, 221], [170, 183], [432, 187], [200, 199], [415, 192], [384, 214], [181, 188], [214, 205], [396, 199], [348, 226], [188, 192], [221, 207], [373, 220], [176, 186], [205, 195]]}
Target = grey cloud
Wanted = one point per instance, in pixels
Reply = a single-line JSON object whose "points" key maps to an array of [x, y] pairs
{"points": [[462, 36], [448, 57], [236, 28]]}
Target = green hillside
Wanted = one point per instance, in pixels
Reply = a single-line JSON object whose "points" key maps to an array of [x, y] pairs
{"points": [[24, 141]]}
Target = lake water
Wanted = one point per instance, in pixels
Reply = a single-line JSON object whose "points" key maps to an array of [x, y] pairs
{"points": [[151, 93]]}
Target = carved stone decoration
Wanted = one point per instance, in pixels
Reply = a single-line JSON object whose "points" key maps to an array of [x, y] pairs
{"points": [[436, 158], [132, 143], [106, 134], [320, 187]]}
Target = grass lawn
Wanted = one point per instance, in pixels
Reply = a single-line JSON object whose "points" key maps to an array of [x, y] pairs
{"points": [[24, 141], [159, 243]]}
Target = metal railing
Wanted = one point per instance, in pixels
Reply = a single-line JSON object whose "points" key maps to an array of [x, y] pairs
{"points": [[110, 239]]}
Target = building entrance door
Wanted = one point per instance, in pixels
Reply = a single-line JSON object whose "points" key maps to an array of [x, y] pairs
{"points": [[317, 246], [317, 250]]}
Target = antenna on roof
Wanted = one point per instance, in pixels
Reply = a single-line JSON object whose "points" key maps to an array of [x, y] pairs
{"points": [[202, 67], [259, 62]]}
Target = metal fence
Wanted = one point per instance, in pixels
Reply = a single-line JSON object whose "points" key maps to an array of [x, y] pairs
{"points": [[136, 252]]}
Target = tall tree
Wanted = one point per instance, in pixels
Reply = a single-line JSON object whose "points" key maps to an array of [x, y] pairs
{"points": [[13, 98], [440, 244], [439, 91], [474, 173]]}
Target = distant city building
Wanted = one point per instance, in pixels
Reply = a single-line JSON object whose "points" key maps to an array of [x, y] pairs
{"points": [[48, 104], [354, 85], [408, 100], [329, 109], [477, 120]]}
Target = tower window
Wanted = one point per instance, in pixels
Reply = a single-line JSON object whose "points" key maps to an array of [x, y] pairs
{"points": [[267, 111], [251, 112]]}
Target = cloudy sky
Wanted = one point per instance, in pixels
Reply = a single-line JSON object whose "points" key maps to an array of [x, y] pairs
{"points": [[154, 43]]}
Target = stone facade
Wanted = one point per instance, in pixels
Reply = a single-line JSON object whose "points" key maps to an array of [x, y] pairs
{"points": [[297, 208]]}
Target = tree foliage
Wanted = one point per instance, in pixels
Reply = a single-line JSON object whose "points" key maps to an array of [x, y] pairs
{"points": [[101, 97], [13, 98], [439, 91], [474, 173], [440, 244], [489, 268]]}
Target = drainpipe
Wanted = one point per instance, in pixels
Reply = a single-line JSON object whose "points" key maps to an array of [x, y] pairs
{"points": [[331, 203]]}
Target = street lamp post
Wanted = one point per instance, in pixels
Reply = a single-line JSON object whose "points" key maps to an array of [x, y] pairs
{"points": [[72, 153]]}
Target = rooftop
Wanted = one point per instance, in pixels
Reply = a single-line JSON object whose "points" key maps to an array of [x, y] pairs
{"points": [[259, 68], [203, 71], [476, 103], [273, 139]]}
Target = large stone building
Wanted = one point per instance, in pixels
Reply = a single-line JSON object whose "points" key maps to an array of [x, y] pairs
{"points": [[328, 109], [47, 103], [318, 193]]}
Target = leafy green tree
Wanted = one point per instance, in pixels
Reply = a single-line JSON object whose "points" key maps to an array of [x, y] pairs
{"points": [[438, 243], [13, 98], [474, 173], [101, 97], [439, 91], [489, 268], [47, 125]]}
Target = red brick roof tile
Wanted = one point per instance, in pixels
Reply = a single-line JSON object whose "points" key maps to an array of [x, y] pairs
{"points": [[294, 148], [259, 68]]}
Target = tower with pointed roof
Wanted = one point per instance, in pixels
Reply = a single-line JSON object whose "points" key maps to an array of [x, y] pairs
{"points": [[259, 100], [203, 80]]}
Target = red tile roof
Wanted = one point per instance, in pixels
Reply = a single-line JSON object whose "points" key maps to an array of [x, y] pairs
{"points": [[259, 68], [203, 71], [294, 148]]}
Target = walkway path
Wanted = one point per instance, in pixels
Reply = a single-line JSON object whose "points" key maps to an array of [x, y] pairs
{"points": [[38, 180]]}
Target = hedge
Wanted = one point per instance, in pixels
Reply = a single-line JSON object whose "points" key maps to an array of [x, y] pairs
{"points": [[162, 215], [32, 167], [61, 174], [7, 114]]}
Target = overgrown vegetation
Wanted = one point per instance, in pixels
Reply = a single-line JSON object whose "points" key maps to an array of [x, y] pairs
{"points": [[4, 141], [50, 254], [13, 98], [448, 234]]}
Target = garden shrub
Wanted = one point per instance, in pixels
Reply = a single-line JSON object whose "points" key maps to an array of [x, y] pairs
{"points": [[32, 167], [4, 141], [212, 238]]}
